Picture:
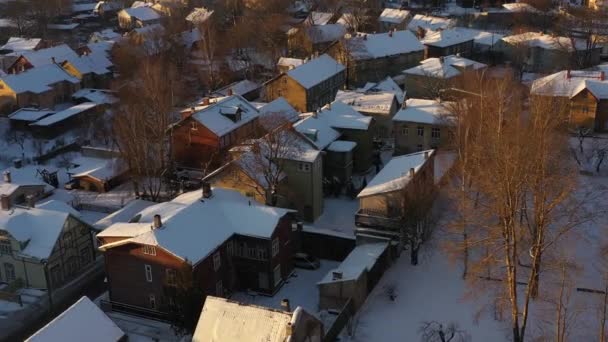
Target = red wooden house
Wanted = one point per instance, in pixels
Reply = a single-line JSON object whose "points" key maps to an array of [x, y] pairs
{"points": [[201, 236], [210, 128]]}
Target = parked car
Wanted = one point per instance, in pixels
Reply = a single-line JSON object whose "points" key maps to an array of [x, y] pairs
{"points": [[307, 261]]}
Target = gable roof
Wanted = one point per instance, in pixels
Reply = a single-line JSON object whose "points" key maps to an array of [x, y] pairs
{"points": [[317, 131], [445, 38], [393, 15], [143, 13], [367, 101], [361, 258], [545, 41], [395, 174], [24, 176], [45, 56], [194, 227], [444, 67], [570, 83], [83, 321], [65, 114], [281, 107], [212, 118], [429, 23], [102, 169], [480, 37], [319, 18], [228, 321], [421, 111], [29, 114], [39, 79], [20, 44], [379, 45], [315, 71], [386, 85]]}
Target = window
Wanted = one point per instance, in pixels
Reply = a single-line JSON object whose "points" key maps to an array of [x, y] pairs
{"points": [[9, 272], [420, 131], [219, 289], [230, 248], [152, 301], [252, 252], [262, 254], [149, 250], [193, 126], [435, 133], [304, 167], [171, 277], [217, 261], [148, 273], [5, 247], [275, 246], [277, 275], [404, 131], [67, 240], [85, 255]]}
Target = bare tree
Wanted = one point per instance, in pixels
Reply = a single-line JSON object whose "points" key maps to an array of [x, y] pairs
{"points": [[434, 331], [18, 12], [583, 27]]}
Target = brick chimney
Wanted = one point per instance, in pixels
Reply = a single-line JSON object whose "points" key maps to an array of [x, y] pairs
{"points": [[5, 202], [412, 171], [157, 223], [285, 305], [7, 176], [602, 76], [205, 101], [207, 192], [229, 92]]}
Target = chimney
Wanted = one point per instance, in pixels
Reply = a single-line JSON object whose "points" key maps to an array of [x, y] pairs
{"points": [[5, 202], [412, 171], [30, 200], [229, 92], [602, 76], [336, 275], [157, 222], [568, 74], [205, 101], [7, 177], [207, 192], [289, 329], [426, 155], [285, 305]]}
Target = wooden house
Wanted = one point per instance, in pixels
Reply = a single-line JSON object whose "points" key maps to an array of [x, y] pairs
{"points": [[210, 128], [134, 17], [197, 237], [309, 86], [394, 19], [447, 42], [420, 125]]}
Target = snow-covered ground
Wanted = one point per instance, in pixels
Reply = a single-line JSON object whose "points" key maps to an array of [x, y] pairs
{"points": [[28, 296]]}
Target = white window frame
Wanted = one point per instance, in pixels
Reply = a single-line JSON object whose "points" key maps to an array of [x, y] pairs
{"points": [[217, 261], [420, 131], [275, 246], [148, 270], [149, 250]]}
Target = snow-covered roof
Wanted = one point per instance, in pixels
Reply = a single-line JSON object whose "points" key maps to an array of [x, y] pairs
{"points": [[83, 321], [386, 85], [199, 15], [319, 18], [281, 107], [23, 176], [142, 13], [239, 88], [124, 214], [315, 71], [105, 35], [325, 33], [60, 206], [520, 7], [228, 321], [429, 23], [40, 227], [96, 62], [99, 168], [290, 62], [444, 67], [42, 57], [342, 146], [393, 15], [20, 44], [421, 111], [361, 258], [570, 83], [29, 114], [65, 114], [194, 227], [445, 38], [125, 230], [396, 173], [213, 118], [83, 7], [317, 131], [480, 37], [379, 102], [545, 41], [340, 115], [39, 79], [379, 45], [99, 96]]}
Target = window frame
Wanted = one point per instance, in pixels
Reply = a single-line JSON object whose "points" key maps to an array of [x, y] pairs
{"points": [[171, 277], [148, 250], [148, 272], [420, 131], [217, 261], [436, 133], [9, 276], [4, 244], [276, 246]]}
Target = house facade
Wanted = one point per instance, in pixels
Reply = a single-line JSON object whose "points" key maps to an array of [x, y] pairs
{"points": [[43, 247], [420, 125], [379, 104], [371, 57], [201, 240], [447, 42], [308, 86]]}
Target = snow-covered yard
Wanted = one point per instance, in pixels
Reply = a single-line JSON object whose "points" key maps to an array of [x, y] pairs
{"points": [[28, 296]]}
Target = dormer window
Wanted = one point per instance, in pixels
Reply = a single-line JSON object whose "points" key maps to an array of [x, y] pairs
{"points": [[312, 134], [5, 247], [231, 112]]}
